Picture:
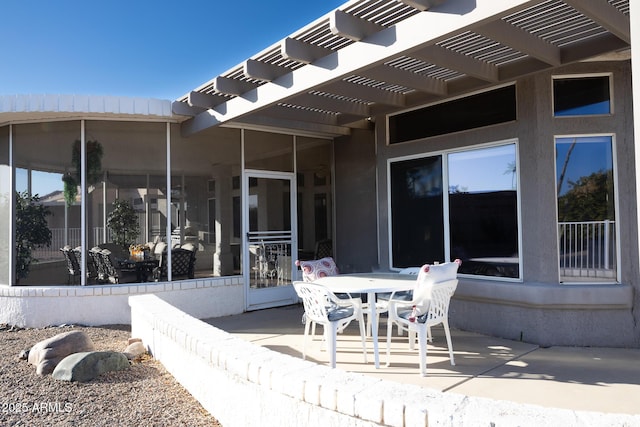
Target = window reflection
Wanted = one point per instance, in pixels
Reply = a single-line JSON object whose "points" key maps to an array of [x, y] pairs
{"points": [[483, 211], [417, 212], [586, 208]]}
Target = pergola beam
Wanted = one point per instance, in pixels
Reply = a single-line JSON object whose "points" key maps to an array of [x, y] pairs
{"points": [[456, 61], [352, 27], [388, 74], [262, 122], [299, 51], [232, 86], [300, 114], [327, 103], [606, 15], [521, 40], [263, 71], [184, 109], [422, 4], [365, 93], [204, 100]]}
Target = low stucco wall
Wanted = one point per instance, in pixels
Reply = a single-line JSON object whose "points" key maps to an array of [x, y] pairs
{"points": [[39, 306], [547, 315], [243, 384]]}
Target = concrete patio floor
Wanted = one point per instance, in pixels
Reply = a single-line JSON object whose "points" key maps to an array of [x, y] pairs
{"points": [[584, 379]]}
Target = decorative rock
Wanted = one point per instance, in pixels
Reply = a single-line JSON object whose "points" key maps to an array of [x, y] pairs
{"points": [[134, 350], [86, 366], [48, 353], [132, 340]]}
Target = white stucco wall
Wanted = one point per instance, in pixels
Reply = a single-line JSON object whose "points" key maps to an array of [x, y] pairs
{"points": [[243, 384], [39, 306]]}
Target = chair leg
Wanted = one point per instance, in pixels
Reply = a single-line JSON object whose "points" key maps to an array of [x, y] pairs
{"points": [[389, 327], [445, 323], [307, 324], [412, 339], [422, 349]]}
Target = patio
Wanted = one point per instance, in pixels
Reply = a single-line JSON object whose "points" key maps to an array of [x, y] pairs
{"points": [[581, 379]]}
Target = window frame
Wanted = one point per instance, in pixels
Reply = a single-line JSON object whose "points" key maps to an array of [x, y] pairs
{"points": [[444, 101], [609, 75], [446, 208], [616, 195]]}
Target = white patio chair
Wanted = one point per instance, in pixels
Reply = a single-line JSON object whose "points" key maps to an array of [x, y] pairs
{"points": [[435, 286], [322, 307], [324, 267]]}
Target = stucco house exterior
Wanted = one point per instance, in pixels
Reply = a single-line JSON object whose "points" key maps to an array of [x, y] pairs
{"points": [[500, 132]]}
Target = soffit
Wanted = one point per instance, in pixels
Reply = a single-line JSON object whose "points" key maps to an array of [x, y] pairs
{"points": [[371, 57]]}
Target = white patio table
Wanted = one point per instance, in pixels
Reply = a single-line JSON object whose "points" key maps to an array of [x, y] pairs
{"points": [[371, 284]]}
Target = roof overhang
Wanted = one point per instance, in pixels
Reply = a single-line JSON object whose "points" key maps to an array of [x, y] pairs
{"points": [[32, 108], [372, 57]]}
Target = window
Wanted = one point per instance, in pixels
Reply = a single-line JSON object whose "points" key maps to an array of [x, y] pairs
{"points": [[483, 211], [482, 109], [416, 212], [580, 96], [477, 221], [585, 188]]}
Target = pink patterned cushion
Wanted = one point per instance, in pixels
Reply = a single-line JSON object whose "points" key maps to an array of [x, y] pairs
{"points": [[313, 270]]}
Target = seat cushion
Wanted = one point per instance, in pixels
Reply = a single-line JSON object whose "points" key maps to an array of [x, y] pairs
{"points": [[314, 269], [339, 313], [405, 314]]}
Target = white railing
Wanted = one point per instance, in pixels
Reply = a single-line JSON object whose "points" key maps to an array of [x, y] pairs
{"points": [[59, 238], [587, 249]]}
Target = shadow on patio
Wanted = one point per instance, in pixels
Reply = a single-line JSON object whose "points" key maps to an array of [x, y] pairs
{"points": [[585, 379]]}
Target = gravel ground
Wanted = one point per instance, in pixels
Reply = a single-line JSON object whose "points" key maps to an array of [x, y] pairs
{"points": [[145, 395]]}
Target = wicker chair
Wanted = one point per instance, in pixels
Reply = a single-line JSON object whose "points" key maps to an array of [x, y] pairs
{"points": [[182, 264], [73, 265]]}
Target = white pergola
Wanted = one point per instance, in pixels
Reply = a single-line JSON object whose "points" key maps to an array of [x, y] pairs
{"points": [[372, 57]]}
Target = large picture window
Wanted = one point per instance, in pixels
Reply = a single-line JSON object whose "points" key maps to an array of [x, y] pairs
{"points": [[585, 188], [476, 222]]}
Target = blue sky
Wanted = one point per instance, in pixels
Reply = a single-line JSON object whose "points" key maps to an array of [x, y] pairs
{"points": [[155, 49]]}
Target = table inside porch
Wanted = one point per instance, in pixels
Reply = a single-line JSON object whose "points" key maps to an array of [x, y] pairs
{"points": [[143, 266], [370, 284]]}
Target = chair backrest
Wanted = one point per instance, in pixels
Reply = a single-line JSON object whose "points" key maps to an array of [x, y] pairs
{"points": [[424, 294], [109, 265], [73, 266], [324, 248], [314, 269], [96, 256], [159, 248], [316, 300], [189, 246], [92, 267], [441, 294], [182, 263]]}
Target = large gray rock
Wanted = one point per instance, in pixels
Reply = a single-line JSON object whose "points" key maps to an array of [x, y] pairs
{"points": [[86, 366], [46, 354]]}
